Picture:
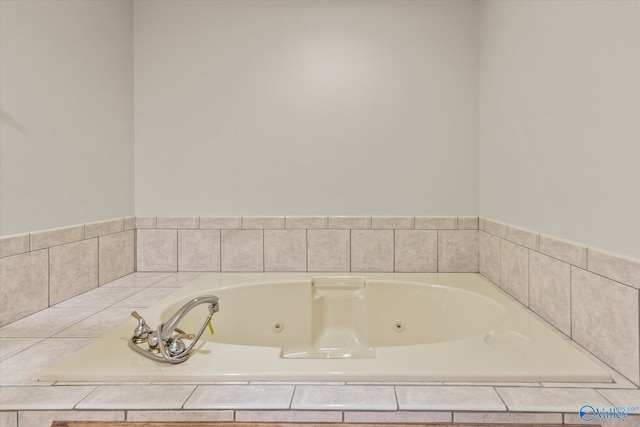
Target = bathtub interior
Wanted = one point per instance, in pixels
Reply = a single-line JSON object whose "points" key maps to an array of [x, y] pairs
{"points": [[345, 316], [370, 327]]}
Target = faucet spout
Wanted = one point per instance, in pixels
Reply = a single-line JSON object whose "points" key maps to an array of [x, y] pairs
{"points": [[171, 324], [166, 344]]}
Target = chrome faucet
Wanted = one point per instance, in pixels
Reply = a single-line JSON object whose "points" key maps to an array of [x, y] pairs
{"points": [[166, 343]]}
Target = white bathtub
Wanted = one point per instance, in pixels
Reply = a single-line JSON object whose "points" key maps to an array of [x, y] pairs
{"points": [[371, 327]]}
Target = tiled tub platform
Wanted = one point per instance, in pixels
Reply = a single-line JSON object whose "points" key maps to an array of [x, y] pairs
{"points": [[31, 345]]}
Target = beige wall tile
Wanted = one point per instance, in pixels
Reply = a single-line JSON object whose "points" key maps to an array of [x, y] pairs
{"points": [[372, 250], [116, 256], [221, 222], [73, 268], [343, 222], [102, 228], [416, 251], [514, 270], [262, 222], [178, 222], [232, 396], [448, 398], [506, 418], [289, 416], [393, 222], [467, 223], [14, 245], [179, 416], [496, 228], [616, 267], [146, 222], [436, 222], [25, 285], [285, 250], [489, 256], [157, 250], [137, 397], [9, 419], [58, 236], [329, 250], [306, 222], [572, 253], [458, 251], [523, 237], [547, 399], [129, 223], [198, 250], [605, 320], [550, 290], [397, 417], [39, 397], [242, 250], [46, 418]]}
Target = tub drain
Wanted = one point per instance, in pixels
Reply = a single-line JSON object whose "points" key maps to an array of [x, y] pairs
{"points": [[398, 326]]}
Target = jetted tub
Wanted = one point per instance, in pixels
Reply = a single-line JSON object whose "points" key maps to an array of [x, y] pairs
{"points": [[377, 327]]}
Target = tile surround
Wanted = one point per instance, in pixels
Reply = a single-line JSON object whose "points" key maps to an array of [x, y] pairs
{"points": [[449, 398], [25, 398], [58, 236], [436, 222], [457, 251], [221, 222], [514, 271], [306, 222], [116, 256], [607, 265], [393, 222], [564, 250], [348, 397], [550, 399], [178, 416], [178, 222], [157, 250], [621, 269], [242, 250], [416, 251], [262, 222], [329, 250], [550, 290], [285, 250], [41, 268], [46, 418], [372, 250], [241, 397], [489, 256], [601, 310], [14, 245], [603, 316], [25, 285], [103, 228], [73, 269], [137, 397], [198, 250]]}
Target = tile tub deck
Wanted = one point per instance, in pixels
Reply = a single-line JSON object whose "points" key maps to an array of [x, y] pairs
{"points": [[29, 346]]}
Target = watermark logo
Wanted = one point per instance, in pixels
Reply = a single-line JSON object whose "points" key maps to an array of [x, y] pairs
{"points": [[589, 413]]}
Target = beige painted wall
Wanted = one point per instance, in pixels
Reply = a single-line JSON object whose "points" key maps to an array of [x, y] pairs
{"points": [[66, 99], [306, 107], [560, 119]]}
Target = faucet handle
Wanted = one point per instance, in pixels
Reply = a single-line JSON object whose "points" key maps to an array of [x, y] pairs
{"points": [[141, 332], [187, 336]]}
